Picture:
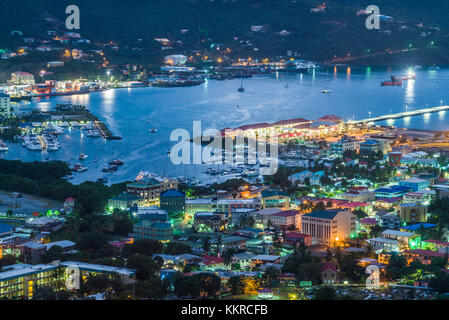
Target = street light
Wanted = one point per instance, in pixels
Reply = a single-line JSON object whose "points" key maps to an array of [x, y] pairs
{"points": [[108, 73]]}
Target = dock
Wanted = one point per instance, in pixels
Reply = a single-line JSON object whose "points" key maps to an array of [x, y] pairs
{"points": [[400, 115]]}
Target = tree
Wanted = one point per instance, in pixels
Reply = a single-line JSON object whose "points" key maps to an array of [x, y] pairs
{"points": [[144, 247], [95, 284], [325, 293], [396, 267], [209, 284], [206, 244], [7, 260], [146, 267], [54, 253], [236, 284], [250, 285], [227, 256], [9, 213], [187, 286], [176, 248], [440, 283]]}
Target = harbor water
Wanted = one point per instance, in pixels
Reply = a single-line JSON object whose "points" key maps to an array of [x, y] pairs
{"points": [[131, 113]]}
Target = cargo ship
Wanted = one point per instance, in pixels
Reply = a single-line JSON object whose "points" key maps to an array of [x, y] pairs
{"points": [[393, 82], [50, 88]]}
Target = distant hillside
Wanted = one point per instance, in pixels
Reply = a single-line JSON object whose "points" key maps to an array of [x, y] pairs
{"points": [[336, 32]]}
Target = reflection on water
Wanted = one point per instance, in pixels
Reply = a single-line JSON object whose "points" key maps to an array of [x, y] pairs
{"points": [[410, 91]]}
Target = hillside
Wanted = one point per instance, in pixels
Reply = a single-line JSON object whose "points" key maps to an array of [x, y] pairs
{"points": [[337, 32]]}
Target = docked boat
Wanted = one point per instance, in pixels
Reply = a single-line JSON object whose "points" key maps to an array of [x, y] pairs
{"points": [[3, 146], [32, 142], [116, 162], [83, 156], [153, 130], [94, 133], [51, 142], [394, 81], [102, 180], [326, 91], [78, 168], [50, 89]]}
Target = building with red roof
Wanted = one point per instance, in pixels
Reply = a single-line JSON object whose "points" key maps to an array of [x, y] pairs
{"points": [[421, 255], [297, 238], [329, 274], [286, 220], [434, 245]]}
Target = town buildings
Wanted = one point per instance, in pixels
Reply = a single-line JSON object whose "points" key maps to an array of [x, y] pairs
{"points": [[328, 227], [22, 78]]}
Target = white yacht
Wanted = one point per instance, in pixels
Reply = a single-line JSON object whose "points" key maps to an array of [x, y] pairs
{"points": [[31, 142], [3, 146]]}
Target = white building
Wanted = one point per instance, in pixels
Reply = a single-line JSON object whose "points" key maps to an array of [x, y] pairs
{"points": [[176, 59], [5, 105]]}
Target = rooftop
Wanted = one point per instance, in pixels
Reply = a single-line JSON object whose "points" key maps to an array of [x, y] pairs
{"points": [[323, 214]]}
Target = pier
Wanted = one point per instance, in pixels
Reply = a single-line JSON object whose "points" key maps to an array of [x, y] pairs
{"points": [[400, 115]]}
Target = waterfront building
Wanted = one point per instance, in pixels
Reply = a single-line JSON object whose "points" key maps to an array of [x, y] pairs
{"points": [[414, 184], [154, 226], [5, 105], [21, 77], [151, 188], [413, 213], [174, 202], [175, 60], [329, 227], [275, 199]]}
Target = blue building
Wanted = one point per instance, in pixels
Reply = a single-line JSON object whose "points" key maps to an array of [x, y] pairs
{"points": [[415, 184], [391, 192], [174, 202]]}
